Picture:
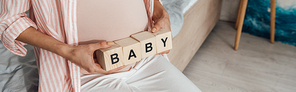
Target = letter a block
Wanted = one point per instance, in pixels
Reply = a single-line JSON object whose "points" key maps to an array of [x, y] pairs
{"points": [[163, 40], [110, 58], [147, 41], [131, 50]]}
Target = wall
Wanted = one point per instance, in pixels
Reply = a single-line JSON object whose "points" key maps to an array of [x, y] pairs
{"points": [[229, 10]]}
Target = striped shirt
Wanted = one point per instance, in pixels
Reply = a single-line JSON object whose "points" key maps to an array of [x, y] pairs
{"points": [[56, 18]]}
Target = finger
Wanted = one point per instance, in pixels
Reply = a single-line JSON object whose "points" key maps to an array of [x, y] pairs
{"points": [[83, 71], [167, 24], [164, 52], [101, 71], [100, 45], [156, 27], [97, 69]]}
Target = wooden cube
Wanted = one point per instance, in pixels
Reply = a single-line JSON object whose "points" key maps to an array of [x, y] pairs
{"points": [[131, 50], [163, 40], [147, 41], [110, 58]]}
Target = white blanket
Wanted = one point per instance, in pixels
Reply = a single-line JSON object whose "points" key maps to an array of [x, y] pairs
{"points": [[151, 74], [18, 74], [176, 10]]}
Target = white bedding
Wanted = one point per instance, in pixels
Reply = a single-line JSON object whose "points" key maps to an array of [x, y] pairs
{"points": [[176, 10], [17, 74], [20, 74]]}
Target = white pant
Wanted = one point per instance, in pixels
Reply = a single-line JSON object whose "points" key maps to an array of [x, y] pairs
{"points": [[152, 74]]}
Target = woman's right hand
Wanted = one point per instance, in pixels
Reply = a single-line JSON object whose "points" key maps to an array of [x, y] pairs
{"points": [[83, 56]]}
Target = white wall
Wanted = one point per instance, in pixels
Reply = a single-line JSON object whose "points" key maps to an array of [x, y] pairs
{"points": [[286, 3]]}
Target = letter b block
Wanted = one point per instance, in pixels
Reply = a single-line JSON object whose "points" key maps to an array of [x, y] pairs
{"points": [[110, 58], [131, 50], [147, 41], [163, 40]]}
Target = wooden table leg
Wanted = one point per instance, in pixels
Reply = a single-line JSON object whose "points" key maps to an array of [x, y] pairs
{"points": [[272, 19], [241, 22], [238, 13]]}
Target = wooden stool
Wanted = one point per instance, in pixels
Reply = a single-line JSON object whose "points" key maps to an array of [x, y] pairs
{"points": [[241, 17]]}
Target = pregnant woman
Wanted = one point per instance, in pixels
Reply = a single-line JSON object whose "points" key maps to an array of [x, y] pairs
{"points": [[66, 33]]}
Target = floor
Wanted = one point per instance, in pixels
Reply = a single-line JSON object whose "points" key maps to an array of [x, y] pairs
{"points": [[257, 66]]}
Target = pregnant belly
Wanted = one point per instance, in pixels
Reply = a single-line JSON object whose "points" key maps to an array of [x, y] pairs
{"points": [[109, 20]]}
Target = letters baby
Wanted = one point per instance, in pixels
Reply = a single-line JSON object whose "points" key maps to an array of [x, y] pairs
{"points": [[134, 48]]}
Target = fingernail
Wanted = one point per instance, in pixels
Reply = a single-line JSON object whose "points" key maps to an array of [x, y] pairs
{"points": [[153, 30], [110, 43]]}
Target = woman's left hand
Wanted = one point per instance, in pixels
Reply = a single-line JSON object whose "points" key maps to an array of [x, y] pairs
{"points": [[161, 20]]}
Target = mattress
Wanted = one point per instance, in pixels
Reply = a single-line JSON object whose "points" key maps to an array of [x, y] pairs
{"points": [[20, 74]]}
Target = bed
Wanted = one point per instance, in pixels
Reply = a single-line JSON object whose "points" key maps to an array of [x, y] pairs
{"points": [[20, 74], [199, 21]]}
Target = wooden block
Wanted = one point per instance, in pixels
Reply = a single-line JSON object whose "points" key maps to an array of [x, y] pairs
{"points": [[147, 41], [110, 58], [163, 40], [131, 50]]}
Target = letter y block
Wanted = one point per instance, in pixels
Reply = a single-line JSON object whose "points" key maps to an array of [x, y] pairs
{"points": [[110, 58], [163, 40]]}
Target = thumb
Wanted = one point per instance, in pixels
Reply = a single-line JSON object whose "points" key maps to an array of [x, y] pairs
{"points": [[156, 27], [96, 69], [100, 45]]}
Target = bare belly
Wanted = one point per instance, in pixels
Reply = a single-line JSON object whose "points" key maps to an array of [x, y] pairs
{"points": [[109, 19]]}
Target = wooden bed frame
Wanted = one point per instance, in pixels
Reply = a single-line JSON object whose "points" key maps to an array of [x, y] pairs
{"points": [[199, 21]]}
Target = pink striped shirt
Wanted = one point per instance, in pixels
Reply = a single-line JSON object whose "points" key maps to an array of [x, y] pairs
{"points": [[56, 18]]}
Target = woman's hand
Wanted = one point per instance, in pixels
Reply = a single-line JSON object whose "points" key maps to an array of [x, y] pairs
{"points": [[84, 57], [81, 55], [161, 20]]}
